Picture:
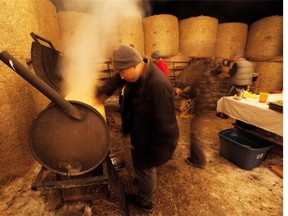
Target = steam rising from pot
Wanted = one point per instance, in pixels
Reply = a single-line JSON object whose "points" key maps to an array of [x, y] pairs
{"points": [[93, 41]]}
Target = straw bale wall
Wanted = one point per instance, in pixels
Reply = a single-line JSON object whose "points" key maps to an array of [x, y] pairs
{"points": [[48, 27], [231, 38], [161, 34], [20, 102], [19, 18], [271, 76], [265, 38], [197, 36], [130, 31], [16, 113]]}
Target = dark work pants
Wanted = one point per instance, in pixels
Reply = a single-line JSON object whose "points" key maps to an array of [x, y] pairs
{"points": [[147, 184]]}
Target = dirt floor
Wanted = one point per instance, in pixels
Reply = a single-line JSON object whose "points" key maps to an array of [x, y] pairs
{"points": [[220, 189]]}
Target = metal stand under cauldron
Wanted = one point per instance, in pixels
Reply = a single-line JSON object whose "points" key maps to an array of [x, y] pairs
{"points": [[104, 175], [98, 176], [69, 139]]}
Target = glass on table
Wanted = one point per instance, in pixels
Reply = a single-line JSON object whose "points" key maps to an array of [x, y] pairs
{"points": [[263, 96]]}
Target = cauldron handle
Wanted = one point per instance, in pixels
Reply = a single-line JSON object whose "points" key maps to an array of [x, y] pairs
{"points": [[39, 84], [36, 38]]}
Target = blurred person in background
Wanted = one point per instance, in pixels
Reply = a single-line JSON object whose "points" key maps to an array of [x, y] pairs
{"points": [[240, 71], [159, 61]]}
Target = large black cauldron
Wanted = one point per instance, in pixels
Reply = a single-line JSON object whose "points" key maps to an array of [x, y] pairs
{"points": [[68, 137]]}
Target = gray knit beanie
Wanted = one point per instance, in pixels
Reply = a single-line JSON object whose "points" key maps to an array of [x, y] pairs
{"points": [[125, 57], [156, 55]]}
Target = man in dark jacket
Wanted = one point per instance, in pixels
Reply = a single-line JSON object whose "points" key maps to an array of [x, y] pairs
{"points": [[151, 118]]}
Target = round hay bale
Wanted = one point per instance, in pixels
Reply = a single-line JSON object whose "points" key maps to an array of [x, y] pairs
{"points": [[19, 103], [198, 36], [19, 18], [231, 38], [161, 34], [16, 113], [130, 30], [46, 16], [270, 76], [265, 38]]}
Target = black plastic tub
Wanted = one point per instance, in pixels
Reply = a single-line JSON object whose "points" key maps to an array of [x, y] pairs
{"points": [[245, 150]]}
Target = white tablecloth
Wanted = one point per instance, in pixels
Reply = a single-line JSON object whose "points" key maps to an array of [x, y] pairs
{"points": [[254, 113]]}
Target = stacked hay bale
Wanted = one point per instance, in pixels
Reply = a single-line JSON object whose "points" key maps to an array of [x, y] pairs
{"points": [[17, 111], [265, 47], [198, 36], [130, 30], [270, 76], [19, 100], [231, 38], [265, 38], [46, 16], [16, 23], [19, 19], [161, 34]]}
